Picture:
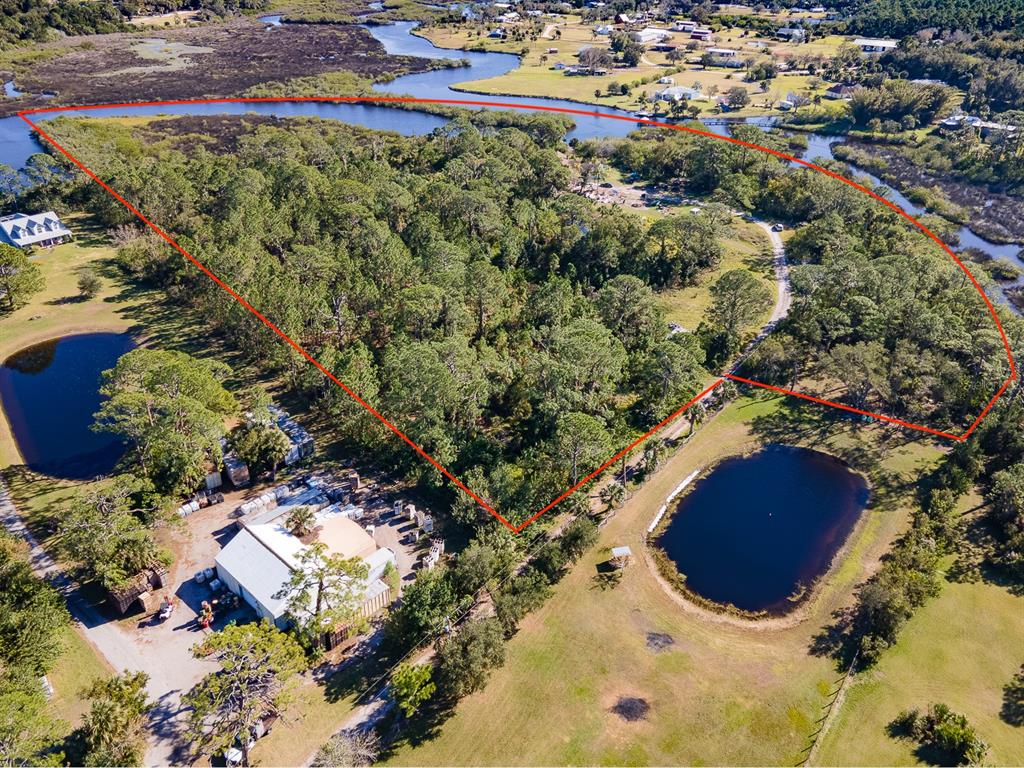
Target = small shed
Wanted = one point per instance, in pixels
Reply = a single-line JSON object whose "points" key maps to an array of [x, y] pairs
{"points": [[621, 556]]}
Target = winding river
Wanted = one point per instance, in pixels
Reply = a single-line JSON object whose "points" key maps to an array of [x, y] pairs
{"points": [[17, 144]]}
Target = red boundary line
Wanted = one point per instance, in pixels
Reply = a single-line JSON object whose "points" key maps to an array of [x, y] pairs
{"points": [[538, 108]]}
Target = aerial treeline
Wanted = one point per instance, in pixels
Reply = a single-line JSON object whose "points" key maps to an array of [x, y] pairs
{"points": [[39, 20], [898, 18], [899, 101], [32, 622], [36, 20], [993, 541], [990, 70], [877, 306], [513, 575], [455, 282]]}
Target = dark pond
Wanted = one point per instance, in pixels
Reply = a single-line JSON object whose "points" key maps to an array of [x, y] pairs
{"points": [[50, 392], [757, 528]]}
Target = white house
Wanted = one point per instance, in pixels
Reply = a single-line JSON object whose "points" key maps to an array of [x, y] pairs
{"points": [[793, 34], [875, 44], [722, 53], [604, 29], [261, 558], [650, 35], [677, 93], [25, 230], [684, 26]]}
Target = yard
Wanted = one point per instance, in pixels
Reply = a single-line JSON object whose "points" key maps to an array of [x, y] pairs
{"points": [[719, 692], [535, 76]]}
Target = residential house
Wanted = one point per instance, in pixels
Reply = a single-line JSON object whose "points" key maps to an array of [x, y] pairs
{"points": [[677, 93], [959, 121], [623, 18], [722, 53], [651, 35], [24, 230], [792, 34], [841, 91], [875, 44], [604, 29], [684, 26], [700, 33]]}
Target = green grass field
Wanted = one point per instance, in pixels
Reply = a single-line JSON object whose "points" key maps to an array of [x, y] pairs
{"points": [[959, 649], [76, 668], [725, 692]]}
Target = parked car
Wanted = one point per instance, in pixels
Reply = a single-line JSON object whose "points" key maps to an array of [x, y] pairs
{"points": [[606, 185], [777, 228]]}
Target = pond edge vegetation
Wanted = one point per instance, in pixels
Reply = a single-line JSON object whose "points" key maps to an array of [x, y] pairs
{"points": [[802, 599]]}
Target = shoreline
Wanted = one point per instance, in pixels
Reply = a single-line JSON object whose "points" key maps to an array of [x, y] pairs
{"points": [[803, 609]]}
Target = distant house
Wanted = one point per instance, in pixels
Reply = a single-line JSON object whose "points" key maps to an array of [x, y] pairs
{"points": [[666, 81], [700, 33], [262, 556], [785, 105], [604, 29], [875, 44], [651, 35], [496, 32], [509, 17], [960, 121], [24, 230], [792, 34], [623, 18], [841, 91], [677, 93], [535, 13], [722, 53], [684, 26]]}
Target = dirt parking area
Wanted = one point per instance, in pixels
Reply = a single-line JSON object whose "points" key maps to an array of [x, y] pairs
{"points": [[196, 62]]}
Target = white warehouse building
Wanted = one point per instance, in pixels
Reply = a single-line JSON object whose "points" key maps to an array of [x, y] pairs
{"points": [[260, 559]]}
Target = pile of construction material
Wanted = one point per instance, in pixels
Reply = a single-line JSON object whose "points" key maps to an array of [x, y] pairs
{"points": [[199, 501], [302, 445], [434, 555]]}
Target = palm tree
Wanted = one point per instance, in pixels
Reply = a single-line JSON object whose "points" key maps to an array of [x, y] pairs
{"points": [[654, 454], [613, 494]]}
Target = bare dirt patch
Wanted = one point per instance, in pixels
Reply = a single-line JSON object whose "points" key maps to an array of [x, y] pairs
{"points": [[200, 62]]}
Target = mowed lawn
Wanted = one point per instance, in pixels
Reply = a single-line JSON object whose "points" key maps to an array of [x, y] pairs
{"points": [[960, 649], [721, 694]]}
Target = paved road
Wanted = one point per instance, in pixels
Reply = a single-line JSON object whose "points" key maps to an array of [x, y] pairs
{"points": [[162, 652]]}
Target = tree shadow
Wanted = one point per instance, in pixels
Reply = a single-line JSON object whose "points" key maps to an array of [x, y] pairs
{"points": [[412, 732], [1012, 711]]}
